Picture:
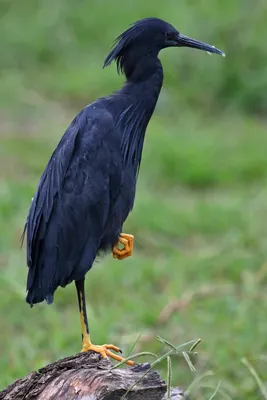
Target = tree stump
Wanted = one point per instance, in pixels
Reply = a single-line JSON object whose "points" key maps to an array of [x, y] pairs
{"points": [[87, 376]]}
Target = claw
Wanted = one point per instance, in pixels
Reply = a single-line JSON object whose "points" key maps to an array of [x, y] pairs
{"points": [[127, 241], [104, 351]]}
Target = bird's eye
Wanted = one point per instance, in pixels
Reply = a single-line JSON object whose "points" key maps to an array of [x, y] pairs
{"points": [[170, 35]]}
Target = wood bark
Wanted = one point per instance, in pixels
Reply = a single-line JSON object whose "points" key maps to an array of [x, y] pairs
{"points": [[87, 376]]}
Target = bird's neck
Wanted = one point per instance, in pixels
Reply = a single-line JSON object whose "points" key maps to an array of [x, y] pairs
{"points": [[140, 94]]}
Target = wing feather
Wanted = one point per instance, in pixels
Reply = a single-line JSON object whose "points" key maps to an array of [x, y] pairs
{"points": [[71, 205]]}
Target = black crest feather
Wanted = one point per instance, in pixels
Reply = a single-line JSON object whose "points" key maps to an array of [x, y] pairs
{"points": [[128, 38]]}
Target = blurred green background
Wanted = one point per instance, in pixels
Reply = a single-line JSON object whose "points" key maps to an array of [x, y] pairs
{"points": [[200, 263]]}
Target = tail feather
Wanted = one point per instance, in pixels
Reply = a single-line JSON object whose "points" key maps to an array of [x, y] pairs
{"points": [[35, 296]]}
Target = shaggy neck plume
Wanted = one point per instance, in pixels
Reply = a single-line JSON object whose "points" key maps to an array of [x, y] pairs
{"points": [[141, 92]]}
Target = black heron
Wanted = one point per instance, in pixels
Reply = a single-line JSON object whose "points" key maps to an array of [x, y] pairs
{"points": [[88, 186]]}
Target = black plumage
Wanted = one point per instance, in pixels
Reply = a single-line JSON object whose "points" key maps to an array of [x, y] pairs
{"points": [[88, 187]]}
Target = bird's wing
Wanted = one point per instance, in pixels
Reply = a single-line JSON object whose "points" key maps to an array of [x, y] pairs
{"points": [[71, 205]]}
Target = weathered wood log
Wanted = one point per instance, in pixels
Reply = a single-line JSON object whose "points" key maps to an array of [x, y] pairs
{"points": [[86, 376]]}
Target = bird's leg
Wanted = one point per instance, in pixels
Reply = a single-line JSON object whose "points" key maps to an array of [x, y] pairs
{"points": [[87, 345], [127, 241]]}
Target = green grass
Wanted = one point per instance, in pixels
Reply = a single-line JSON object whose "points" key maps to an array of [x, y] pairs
{"points": [[200, 210]]}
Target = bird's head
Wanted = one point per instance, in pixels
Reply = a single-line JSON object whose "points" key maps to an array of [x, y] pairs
{"points": [[145, 38]]}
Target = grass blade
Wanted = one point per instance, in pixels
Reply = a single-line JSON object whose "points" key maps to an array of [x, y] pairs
{"points": [[164, 341], [134, 344], [216, 391], [169, 377], [163, 357], [197, 381], [189, 362], [256, 376], [133, 356], [192, 348]]}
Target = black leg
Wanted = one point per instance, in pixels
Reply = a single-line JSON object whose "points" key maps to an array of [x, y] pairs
{"points": [[82, 308], [87, 345]]}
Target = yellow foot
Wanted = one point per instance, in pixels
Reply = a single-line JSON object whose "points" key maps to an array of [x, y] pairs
{"points": [[104, 350], [127, 241]]}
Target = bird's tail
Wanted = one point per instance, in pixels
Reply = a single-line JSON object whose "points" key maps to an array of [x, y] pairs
{"points": [[36, 293]]}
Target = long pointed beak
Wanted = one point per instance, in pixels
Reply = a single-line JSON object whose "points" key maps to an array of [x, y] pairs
{"points": [[185, 41]]}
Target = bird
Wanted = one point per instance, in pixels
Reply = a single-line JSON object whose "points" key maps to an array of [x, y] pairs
{"points": [[87, 189]]}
